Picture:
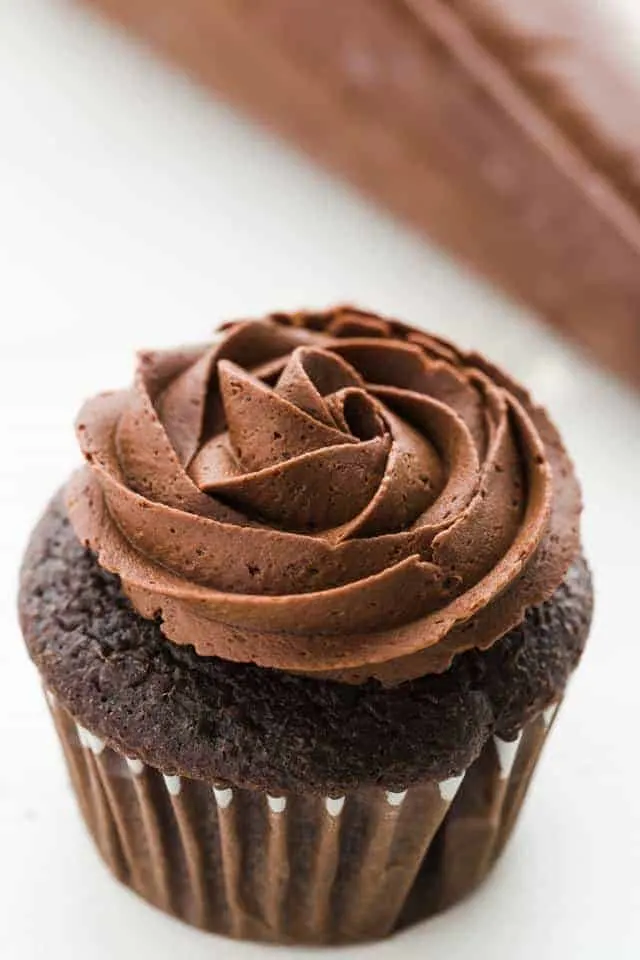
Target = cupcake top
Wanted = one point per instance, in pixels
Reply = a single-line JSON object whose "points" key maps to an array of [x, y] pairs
{"points": [[335, 494]]}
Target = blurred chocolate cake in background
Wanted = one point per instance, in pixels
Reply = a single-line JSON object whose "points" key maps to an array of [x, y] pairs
{"points": [[505, 129]]}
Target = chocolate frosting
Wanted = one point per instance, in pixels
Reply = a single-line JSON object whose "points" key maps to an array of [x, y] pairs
{"points": [[332, 494]]}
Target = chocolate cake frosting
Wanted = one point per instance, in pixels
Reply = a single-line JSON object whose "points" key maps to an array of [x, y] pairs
{"points": [[334, 494]]}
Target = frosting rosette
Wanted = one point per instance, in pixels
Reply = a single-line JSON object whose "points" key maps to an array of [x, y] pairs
{"points": [[332, 494]]}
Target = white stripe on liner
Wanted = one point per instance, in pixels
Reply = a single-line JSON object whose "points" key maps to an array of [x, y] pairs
{"points": [[395, 799], [334, 805], [276, 804], [51, 698], [224, 796], [173, 784], [89, 740], [506, 750], [549, 714], [136, 766], [82, 735], [449, 788]]}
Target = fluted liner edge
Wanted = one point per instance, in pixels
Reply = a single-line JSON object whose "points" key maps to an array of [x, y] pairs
{"points": [[298, 868]]}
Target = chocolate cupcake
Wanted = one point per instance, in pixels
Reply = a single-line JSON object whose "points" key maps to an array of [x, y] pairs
{"points": [[304, 620]]}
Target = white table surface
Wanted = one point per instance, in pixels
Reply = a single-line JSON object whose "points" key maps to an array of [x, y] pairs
{"points": [[135, 211]]}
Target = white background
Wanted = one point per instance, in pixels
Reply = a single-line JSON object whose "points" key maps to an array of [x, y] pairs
{"points": [[135, 211]]}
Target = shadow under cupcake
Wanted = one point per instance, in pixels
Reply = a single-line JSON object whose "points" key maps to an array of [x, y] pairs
{"points": [[304, 621]]}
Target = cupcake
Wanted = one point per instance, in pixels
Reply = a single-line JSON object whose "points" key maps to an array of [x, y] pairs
{"points": [[304, 619]]}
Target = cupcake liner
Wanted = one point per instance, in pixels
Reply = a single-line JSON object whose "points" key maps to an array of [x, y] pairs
{"points": [[298, 868]]}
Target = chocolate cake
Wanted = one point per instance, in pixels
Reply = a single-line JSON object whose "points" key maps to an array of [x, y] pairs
{"points": [[307, 613]]}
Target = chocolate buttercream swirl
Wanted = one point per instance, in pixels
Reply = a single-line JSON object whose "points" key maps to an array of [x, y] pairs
{"points": [[333, 494]]}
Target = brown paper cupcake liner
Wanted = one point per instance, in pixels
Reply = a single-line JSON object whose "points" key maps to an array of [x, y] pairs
{"points": [[298, 868]]}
